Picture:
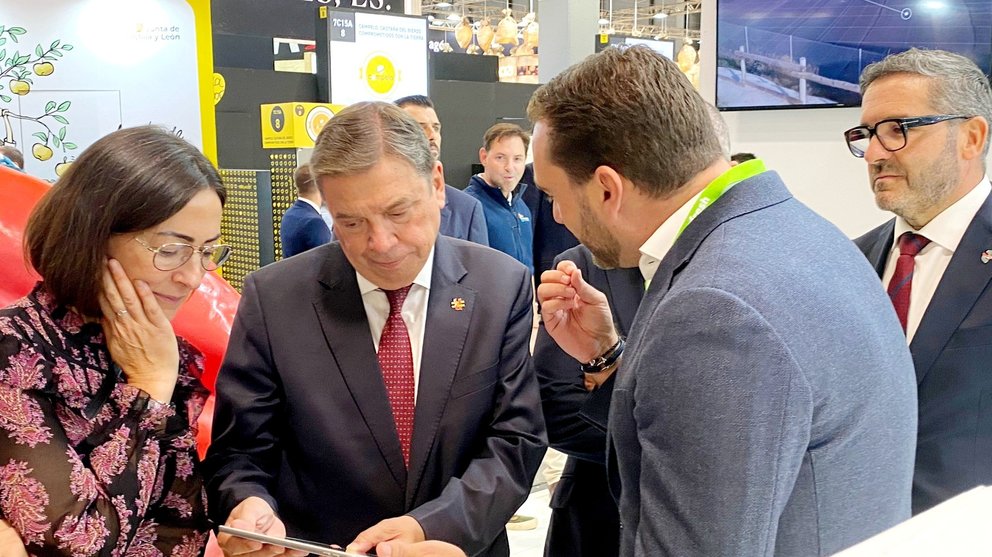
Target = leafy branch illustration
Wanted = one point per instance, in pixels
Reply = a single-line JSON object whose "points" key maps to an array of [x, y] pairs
{"points": [[42, 61], [42, 64]]}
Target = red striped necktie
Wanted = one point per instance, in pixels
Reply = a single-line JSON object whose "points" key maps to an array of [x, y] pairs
{"points": [[901, 283]]}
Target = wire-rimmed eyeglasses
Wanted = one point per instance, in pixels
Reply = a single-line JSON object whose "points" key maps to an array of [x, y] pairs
{"points": [[891, 132], [169, 257]]}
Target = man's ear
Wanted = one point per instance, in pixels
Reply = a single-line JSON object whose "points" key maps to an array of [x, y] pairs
{"points": [[975, 132], [609, 189], [437, 183], [482, 155]]}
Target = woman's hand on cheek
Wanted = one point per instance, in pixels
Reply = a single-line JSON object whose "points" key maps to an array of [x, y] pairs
{"points": [[139, 335]]}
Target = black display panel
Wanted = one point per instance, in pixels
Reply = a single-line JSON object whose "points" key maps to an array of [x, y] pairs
{"points": [[761, 45]]}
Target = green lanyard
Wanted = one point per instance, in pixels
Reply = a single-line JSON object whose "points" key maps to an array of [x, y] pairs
{"points": [[718, 187]]}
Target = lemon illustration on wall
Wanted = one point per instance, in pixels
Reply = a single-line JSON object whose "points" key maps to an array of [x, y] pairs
{"points": [[317, 118], [380, 74], [220, 85]]}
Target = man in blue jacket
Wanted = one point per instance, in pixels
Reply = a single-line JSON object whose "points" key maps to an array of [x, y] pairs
{"points": [[499, 188], [462, 215], [302, 226]]}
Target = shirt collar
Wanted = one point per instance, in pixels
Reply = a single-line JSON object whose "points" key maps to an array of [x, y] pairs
{"points": [[947, 228], [423, 277], [658, 244], [310, 203]]}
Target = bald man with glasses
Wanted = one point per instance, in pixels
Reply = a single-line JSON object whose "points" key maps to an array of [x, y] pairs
{"points": [[924, 134]]}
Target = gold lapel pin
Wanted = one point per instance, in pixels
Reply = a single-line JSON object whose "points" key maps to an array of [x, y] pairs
{"points": [[987, 256], [458, 304]]}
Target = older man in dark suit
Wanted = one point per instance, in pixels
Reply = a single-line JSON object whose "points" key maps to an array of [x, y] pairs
{"points": [[925, 135], [379, 388]]}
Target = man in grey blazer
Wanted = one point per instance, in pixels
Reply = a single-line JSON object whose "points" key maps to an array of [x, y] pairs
{"points": [[764, 403], [379, 388], [930, 172]]}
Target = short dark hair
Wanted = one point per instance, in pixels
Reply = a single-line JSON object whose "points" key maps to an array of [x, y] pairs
{"points": [[13, 154], [632, 110], [127, 181], [305, 184], [415, 100], [502, 131], [742, 157]]}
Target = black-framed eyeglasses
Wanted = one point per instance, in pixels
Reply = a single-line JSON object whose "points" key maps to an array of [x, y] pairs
{"points": [[891, 132], [169, 257]]}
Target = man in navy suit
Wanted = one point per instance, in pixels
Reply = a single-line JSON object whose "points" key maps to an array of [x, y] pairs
{"points": [[462, 215], [764, 403], [584, 518], [302, 227], [924, 134], [379, 388]]}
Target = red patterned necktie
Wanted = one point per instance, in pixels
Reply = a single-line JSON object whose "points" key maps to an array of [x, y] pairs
{"points": [[901, 283], [396, 362]]}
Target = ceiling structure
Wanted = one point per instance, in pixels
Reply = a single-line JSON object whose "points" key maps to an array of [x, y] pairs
{"points": [[668, 19]]}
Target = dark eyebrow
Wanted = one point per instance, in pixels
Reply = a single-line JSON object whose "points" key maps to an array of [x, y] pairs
{"points": [[184, 237]]}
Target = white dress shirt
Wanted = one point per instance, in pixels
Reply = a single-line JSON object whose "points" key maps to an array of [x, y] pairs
{"points": [[414, 312], [310, 203], [657, 245], [944, 232]]}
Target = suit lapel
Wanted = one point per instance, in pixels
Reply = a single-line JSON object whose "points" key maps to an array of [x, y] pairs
{"points": [[963, 282], [445, 334], [756, 193], [878, 253], [346, 330]]}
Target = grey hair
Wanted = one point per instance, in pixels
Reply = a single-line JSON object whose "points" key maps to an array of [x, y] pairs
{"points": [[357, 138], [957, 85], [720, 129]]}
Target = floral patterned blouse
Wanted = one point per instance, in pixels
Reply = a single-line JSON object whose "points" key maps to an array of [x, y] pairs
{"points": [[87, 467]]}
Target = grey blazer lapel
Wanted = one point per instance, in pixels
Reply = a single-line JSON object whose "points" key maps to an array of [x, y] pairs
{"points": [[445, 336], [753, 194], [346, 329], [963, 282]]}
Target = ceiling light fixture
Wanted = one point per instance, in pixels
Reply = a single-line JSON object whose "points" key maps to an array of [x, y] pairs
{"points": [[454, 17], [443, 5], [660, 15]]}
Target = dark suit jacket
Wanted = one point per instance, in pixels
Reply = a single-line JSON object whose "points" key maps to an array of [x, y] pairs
{"points": [[952, 351], [462, 217], [550, 237], [584, 518], [302, 417], [765, 404], [302, 228]]}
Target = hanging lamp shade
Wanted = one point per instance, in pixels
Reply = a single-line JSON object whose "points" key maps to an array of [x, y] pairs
{"points": [[506, 31], [463, 33], [531, 33], [486, 33]]}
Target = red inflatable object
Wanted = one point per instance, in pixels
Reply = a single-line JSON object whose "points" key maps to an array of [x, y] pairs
{"points": [[205, 320]]}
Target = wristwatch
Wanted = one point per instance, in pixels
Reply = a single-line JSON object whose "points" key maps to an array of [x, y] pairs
{"points": [[607, 359]]}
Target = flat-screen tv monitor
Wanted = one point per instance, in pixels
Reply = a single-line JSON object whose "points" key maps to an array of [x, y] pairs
{"points": [[664, 47], [810, 53], [367, 56]]}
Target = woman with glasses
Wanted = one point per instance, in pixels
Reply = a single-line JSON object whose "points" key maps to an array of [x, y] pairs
{"points": [[98, 397]]}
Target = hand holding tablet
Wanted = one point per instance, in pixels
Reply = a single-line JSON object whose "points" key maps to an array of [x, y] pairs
{"points": [[289, 543]]}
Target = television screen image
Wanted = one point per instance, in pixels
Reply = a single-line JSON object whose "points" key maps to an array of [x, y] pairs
{"points": [[809, 53], [664, 47]]}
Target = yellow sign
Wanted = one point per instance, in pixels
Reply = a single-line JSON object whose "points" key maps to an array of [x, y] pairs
{"points": [[604, 38], [294, 124], [380, 74]]}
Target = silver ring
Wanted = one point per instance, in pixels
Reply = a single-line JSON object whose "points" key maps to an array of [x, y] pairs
{"points": [[121, 312]]}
